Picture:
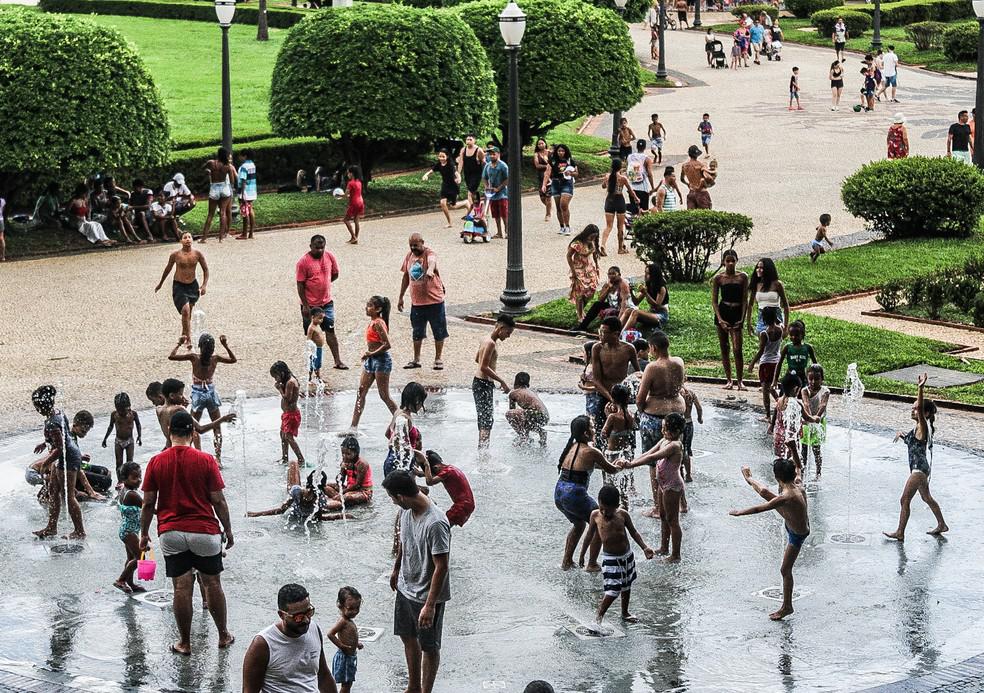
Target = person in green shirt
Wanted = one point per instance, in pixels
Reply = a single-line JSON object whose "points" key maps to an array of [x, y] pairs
{"points": [[797, 354]]}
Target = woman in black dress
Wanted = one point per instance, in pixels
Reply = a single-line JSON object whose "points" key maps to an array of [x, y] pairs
{"points": [[450, 184]]}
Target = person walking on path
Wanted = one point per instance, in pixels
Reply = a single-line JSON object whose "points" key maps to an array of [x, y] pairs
{"points": [[450, 184], [356, 208], [836, 76], [247, 194], [422, 276], [615, 182], [626, 138], [839, 38], [563, 172], [794, 90], [890, 73], [185, 290], [960, 139], [183, 488], [289, 656], [582, 258], [639, 170], [223, 179], [898, 138], [65, 460], [495, 176], [541, 162], [314, 273], [697, 176], [471, 161], [420, 578], [669, 198]]}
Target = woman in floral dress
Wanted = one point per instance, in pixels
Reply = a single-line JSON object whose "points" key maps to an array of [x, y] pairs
{"points": [[582, 258]]}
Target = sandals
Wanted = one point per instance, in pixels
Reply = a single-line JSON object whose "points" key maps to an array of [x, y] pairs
{"points": [[438, 365], [412, 364]]}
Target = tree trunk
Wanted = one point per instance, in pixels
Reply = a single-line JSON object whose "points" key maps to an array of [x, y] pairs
{"points": [[262, 32]]}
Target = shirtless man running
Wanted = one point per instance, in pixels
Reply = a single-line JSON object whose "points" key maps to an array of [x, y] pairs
{"points": [[698, 177], [483, 384], [610, 359], [185, 291], [659, 395]]}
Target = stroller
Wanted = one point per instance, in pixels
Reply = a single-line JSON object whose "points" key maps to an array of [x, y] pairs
{"points": [[475, 224], [718, 58]]}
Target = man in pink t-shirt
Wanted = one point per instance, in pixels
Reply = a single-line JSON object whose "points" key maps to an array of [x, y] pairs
{"points": [[316, 270], [421, 275]]}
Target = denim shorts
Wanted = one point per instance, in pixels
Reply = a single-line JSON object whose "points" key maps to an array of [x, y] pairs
{"points": [[328, 324], [432, 314], [383, 363], [891, 80], [204, 397], [561, 186]]}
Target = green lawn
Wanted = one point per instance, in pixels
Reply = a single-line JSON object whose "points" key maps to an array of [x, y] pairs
{"points": [[185, 60], [894, 35], [837, 342]]}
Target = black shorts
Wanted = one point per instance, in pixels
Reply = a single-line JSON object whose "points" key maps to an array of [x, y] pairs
{"points": [[624, 152], [643, 199], [406, 614], [483, 392], [614, 205], [450, 194], [472, 182], [432, 314], [178, 564], [839, 45], [185, 294]]}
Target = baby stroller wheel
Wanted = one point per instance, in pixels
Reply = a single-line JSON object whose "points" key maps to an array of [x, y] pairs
{"points": [[485, 239]]}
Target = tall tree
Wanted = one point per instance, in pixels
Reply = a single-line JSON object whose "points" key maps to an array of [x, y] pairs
{"points": [[262, 31]]}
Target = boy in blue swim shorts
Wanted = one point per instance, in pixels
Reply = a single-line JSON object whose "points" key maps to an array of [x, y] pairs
{"points": [[706, 130], [345, 636], [316, 334], [790, 503], [816, 245]]}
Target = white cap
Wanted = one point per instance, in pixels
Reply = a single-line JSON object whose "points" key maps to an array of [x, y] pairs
{"points": [[899, 118], [179, 178]]}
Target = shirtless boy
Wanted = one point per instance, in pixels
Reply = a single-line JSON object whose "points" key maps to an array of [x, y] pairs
{"points": [[790, 503], [483, 384], [610, 361], [527, 413], [290, 417], [175, 401], [345, 636], [185, 290], [614, 526], [124, 419], [203, 394], [317, 335], [698, 177]]}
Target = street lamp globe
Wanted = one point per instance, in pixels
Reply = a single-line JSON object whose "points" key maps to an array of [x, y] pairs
{"points": [[979, 8], [620, 4], [512, 25], [224, 11]]}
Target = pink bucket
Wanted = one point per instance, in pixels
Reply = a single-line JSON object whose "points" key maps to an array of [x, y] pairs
{"points": [[146, 568]]}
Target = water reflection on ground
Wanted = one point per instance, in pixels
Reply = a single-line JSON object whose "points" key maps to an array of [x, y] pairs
{"points": [[868, 613]]}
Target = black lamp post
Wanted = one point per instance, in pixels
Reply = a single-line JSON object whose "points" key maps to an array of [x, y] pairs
{"points": [[876, 41], [979, 107], [224, 11], [512, 26], [661, 66], [697, 13], [617, 113]]}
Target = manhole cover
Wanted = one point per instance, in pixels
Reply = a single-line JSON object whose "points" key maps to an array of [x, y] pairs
{"points": [[775, 593], [848, 538], [938, 377], [255, 533], [157, 598], [592, 631], [66, 548], [370, 634]]}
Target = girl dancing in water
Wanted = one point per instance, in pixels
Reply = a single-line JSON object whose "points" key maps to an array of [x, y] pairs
{"points": [[920, 443]]}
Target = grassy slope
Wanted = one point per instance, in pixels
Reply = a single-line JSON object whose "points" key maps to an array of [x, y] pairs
{"points": [[185, 61], [895, 35]]}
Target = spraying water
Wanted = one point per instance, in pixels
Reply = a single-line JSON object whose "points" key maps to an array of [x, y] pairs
{"points": [[853, 392], [197, 325], [240, 408], [310, 349]]}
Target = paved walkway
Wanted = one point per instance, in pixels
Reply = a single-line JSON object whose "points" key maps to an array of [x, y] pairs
{"points": [[92, 323]]}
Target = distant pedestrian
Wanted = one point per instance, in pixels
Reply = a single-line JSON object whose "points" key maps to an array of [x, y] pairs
{"points": [[890, 72], [639, 170], [247, 194], [697, 175], [223, 179], [898, 138], [794, 90], [706, 131], [314, 273], [471, 161], [422, 276], [541, 162], [757, 35], [495, 176], [681, 8], [450, 184], [959, 139], [356, 204], [836, 84], [839, 38], [626, 138], [563, 172], [656, 134]]}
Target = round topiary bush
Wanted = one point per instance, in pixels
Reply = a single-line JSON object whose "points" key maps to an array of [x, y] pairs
{"points": [[635, 10], [917, 196], [804, 8], [75, 99], [856, 22], [925, 35], [960, 41], [576, 60], [754, 11], [682, 242], [371, 75]]}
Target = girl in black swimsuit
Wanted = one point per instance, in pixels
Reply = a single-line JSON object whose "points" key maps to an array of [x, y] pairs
{"points": [[615, 182], [729, 292], [836, 84]]}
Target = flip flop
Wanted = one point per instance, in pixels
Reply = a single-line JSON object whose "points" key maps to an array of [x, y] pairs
{"points": [[438, 365], [412, 364], [341, 367]]}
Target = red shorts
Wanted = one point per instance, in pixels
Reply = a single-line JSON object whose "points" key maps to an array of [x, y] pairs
{"points": [[355, 210], [499, 208], [290, 422], [767, 373], [459, 513]]}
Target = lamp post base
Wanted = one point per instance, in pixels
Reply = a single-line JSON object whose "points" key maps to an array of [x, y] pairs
{"points": [[514, 301]]}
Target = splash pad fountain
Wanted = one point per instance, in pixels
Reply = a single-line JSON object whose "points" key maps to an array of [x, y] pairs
{"points": [[853, 393]]}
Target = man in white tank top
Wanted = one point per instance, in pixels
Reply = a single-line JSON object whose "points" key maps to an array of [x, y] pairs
{"points": [[289, 656]]}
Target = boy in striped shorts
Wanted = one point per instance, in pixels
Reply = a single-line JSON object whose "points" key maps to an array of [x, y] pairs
{"points": [[614, 526]]}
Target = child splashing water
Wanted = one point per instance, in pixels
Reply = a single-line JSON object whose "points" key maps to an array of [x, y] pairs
{"points": [[814, 397], [620, 433], [614, 526], [789, 416], [770, 340], [919, 441], [131, 503], [203, 394], [124, 419], [667, 457], [790, 503], [290, 417]]}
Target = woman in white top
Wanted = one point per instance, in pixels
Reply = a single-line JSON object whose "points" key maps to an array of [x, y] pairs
{"points": [[639, 171], [766, 291]]}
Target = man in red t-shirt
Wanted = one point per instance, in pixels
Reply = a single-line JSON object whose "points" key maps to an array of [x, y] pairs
{"points": [[421, 276], [455, 483], [183, 486], [315, 272]]}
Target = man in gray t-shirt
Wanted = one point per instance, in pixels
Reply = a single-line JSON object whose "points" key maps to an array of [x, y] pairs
{"points": [[420, 578]]}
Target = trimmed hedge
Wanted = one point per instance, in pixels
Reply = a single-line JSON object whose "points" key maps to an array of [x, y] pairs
{"points": [[635, 10], [804, 8], [683, 241], [917, 196], [74, 98], [754, 11], [907, 12], [961, 287], [277, 17], [925, 35], [960, 41], [856, 22]]}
